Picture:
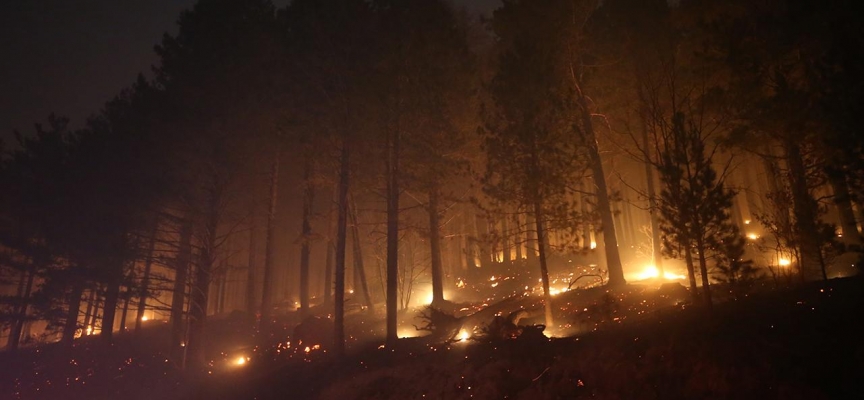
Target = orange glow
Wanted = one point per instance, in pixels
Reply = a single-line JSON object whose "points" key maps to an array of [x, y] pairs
{"points": [[651, 272]]}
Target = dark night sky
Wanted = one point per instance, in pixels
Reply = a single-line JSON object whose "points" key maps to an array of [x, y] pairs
{"points": [[69, 57]]}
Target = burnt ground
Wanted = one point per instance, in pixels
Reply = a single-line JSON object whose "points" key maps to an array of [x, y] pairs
{"points": [[804, 342]]}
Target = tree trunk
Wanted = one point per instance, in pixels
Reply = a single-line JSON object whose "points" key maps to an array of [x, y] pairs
{"points": [[703, 270], [544, 271], [435, 247], [517, 233], [200, 294], [198, 304], [656, 250], [331, 249], [71, 325], [126, 298], [112, 295], [178, 300], [145, 280], [842, 200], [220, 293], [251, 304], [270, 238], [804, 207], [359, 268], [392, 236], [95, 316], [610, 241], [89, 312], [691, 274], [505, 240], [306, 232], [341, 236], [20, 311], [530, 238]]}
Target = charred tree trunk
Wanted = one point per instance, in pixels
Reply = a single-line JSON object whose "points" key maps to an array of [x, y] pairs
{"points": [[306, 232], [112, 295], [392, 235], [359, 269], [703, 270], [544, 271], [610, 241], [144, 289], [20, 311], [656, 250], [89, 312], [341, 236], [530, 238], [435, 248], [804, 207], [250, 270], [199, 298], [331, 249], [691, 274], [505, 240], [126, 298], [517, 232], [71, 325], [270, 238], [328, 273], [95, 316], [843, 202], [178, 300]]}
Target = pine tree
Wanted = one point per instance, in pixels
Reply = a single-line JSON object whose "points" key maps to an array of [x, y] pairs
{"points": [[694, 203]]}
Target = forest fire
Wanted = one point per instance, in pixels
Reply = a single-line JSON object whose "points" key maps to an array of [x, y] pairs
{"points": [[651, 272], [404, 199]]}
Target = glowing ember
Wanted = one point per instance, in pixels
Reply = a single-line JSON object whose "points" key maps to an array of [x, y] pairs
{"points": [[241, 360], [593, 245], [752, 236], [463, 335], [460, 284], [746, 222]]}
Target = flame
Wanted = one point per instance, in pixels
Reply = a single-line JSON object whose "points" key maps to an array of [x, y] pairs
{"points": [[555, 291], [784, 262], [241, 360], [651, 272], [460, 284], [593, 244], [144, 318], [463, 335], [752, 236]]}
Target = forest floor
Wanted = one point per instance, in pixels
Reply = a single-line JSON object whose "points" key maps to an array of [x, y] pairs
{"points": [[804, 342]]}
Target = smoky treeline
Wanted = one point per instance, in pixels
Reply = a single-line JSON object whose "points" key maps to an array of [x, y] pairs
{"points": [[341, 155]]}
